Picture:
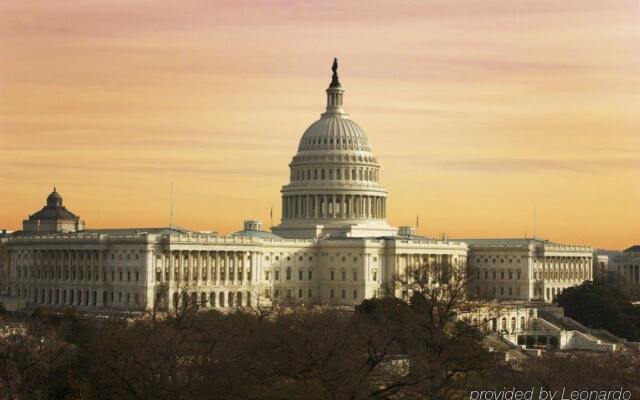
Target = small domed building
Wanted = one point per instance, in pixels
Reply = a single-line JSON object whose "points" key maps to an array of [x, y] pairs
{"points": [[54, 217]]}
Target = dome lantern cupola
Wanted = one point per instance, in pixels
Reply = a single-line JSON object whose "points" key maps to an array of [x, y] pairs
{"points": [[335, 93], [54, 199]]}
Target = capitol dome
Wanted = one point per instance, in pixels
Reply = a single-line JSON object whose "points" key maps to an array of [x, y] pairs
{"points": [[334, 187], [334, 133]]}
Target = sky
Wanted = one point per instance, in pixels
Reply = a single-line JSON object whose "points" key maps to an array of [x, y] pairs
{"points": [[479, 112]]}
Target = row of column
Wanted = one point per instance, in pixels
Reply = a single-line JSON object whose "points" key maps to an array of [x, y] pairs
{"points": [[567, 268], [209, 268], [340, 174], [222, 299], [435, 268], [65, 297], [631, 273], [66, 265], [334, 206]]}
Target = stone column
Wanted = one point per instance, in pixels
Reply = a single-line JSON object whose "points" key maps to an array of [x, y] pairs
{"points": [[171, 267], [226, 268], [284, 206], [217, 267], [241, 270], [352, 209], [255, 274], [333, 206], [300, 206], [324, 210]]}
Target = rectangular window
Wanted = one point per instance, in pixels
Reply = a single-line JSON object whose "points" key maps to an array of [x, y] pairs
{"points": [[355, 294], [343, 294], [300, 275], [300, 293], [277, 275], [355, 275], [310, 275], [333, 274], [310, 293], [332, 293]]}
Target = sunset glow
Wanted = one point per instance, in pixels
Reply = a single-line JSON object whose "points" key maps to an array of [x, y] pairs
{"points": [[478, 111]]}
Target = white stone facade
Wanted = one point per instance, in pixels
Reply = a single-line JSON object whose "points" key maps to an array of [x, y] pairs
{"points": [[525, 269], [333, 246], [137, 270], [627, 264]]}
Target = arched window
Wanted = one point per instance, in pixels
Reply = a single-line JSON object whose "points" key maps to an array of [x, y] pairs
{"points": [[513, 324], [288, 273], [230, 298], [176, 298], [504, 324], [221, 299], [522, 324], [203, 299], [239, 299], [212, 299]]}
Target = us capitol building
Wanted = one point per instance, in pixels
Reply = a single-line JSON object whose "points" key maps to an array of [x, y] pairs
{"points": [[333, 246]]}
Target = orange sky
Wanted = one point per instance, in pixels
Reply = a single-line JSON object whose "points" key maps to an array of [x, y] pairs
{"points": [[477, 110]]}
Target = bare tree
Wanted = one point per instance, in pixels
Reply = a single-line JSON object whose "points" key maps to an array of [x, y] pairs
{"points": [[443, 351]]}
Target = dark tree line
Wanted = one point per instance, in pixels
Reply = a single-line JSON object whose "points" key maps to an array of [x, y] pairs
{"points": [[408, 346], [600, 305]]}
